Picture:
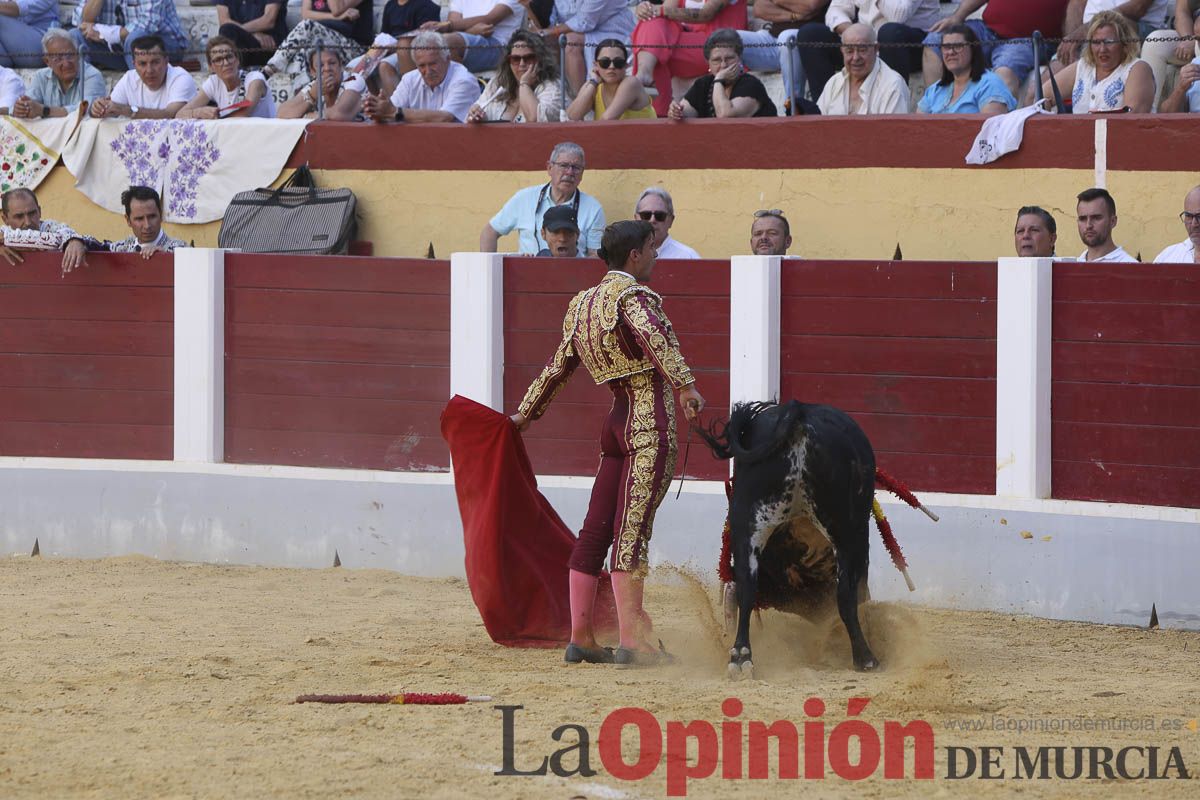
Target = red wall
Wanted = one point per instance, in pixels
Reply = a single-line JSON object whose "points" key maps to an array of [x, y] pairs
{"points": [[909, 350], [1135, 142], [85, 359], [1125, 404], [336, 361], [536, 293]]}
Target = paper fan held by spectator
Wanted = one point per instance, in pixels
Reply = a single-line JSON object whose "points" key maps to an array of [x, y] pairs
{"points": [[517, 547]]}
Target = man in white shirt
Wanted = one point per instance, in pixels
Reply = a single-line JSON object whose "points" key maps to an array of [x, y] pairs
{"points": [[1187, 251], [1097, 217], [656, 207], [11, 89], [153, 89], [865, 85], [438, 90]]}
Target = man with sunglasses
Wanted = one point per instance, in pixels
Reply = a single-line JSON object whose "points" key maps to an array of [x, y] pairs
{"points": [[524, 210], [1187, 251], [656, 207], [770, 233]]}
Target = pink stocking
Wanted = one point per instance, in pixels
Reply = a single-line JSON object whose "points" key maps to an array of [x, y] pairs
{"points": [[627, 589], [583, 600]]}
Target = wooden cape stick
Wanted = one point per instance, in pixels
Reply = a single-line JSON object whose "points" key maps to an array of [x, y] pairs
{"points": [[403, 698]]}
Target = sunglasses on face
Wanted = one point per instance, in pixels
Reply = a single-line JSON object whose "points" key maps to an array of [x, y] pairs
{"points": [[612, 63], [657, 216], [528, 58], [222, 58], [1189, 218]]}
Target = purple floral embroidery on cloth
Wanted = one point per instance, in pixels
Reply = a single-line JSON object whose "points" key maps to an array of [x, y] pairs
{"points": [[179, 151], [135, 147], [195, 155]]}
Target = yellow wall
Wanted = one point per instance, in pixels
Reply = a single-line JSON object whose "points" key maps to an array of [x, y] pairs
{"points": [[846, 213]]}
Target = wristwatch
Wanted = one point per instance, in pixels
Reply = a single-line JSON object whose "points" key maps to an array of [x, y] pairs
{"points": [[45, 111], [399, 117], [133, 110]]}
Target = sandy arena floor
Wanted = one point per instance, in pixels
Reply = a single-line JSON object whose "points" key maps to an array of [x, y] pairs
{"points": [[134, 678]]}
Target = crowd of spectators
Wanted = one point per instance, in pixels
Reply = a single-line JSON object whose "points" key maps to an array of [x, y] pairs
{"points": [[670, 58]]}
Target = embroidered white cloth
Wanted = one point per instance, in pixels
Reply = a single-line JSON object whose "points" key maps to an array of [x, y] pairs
{"points": [[1001, 134], [29, 148], [196, 165]]}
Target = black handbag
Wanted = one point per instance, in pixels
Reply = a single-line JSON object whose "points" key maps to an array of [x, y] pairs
{"points": [[296, 218]]}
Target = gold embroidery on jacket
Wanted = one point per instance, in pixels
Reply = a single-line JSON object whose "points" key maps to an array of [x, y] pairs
{"points": [[660, 337]]}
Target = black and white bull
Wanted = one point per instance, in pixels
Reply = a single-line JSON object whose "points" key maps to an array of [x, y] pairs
{"points": [[799, 512]]}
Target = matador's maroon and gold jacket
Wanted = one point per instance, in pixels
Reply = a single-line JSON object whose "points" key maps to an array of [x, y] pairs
{"points": [[617, 329]]}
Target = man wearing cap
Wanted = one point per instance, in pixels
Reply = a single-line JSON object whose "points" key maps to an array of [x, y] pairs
{"points": [[560, 231], [656, 207]]}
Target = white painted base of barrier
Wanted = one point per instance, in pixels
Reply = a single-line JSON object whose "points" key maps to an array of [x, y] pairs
{"points": [[1102, 562]]}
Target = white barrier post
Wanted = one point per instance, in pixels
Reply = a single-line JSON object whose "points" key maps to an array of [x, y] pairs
{"points": [[200, 355], [753, 328], [1023, 295], [477, 327]]}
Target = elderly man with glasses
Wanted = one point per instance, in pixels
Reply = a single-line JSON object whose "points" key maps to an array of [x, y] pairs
{"points": [[1187, 251], [656, 207], [865, 85], [524, 210], [770, 233], [63, 84]]}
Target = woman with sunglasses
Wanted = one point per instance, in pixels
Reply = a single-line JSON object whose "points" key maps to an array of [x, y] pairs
{"points": [[967, 86], [610, 93], [525, 88]]}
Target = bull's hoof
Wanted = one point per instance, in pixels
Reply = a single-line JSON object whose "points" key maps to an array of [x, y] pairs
{"points": [[740, 665], [867, 664]]}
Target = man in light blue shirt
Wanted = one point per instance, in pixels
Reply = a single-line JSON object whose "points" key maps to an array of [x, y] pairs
{"points": [[523, 211], [66, 81], [22, 24]]}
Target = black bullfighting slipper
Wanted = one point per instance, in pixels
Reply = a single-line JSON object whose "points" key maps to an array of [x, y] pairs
{"points": [[590, 655], [625, 657]]}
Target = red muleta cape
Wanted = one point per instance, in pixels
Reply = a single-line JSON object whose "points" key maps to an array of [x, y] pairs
{"points": [[517, 547]]}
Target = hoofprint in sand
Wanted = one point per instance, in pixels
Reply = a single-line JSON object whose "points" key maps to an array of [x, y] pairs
{"points": [[130, 677]]}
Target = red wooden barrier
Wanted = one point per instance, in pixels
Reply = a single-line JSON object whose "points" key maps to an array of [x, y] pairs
{"points": [[86, 359], [336, 361], [909, 350], [1125, 402], [536, 293]]}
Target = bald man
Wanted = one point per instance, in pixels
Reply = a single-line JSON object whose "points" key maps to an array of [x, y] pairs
{"points": [[1187, 251]]}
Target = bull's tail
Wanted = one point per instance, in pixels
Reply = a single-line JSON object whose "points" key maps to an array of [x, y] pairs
{"points": [[727, 440], [716, 436]]}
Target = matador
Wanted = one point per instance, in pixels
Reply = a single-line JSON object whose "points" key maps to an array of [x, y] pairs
{"points": [[618, 331]]}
